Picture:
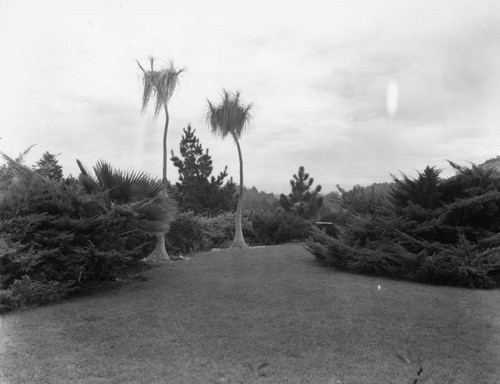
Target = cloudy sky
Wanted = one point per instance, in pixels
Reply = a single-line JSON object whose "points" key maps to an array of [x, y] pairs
{"points": [[351, 89]]}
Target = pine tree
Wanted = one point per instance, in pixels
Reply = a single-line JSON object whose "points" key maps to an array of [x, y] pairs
{"points": [[197, 190], [49, 167], [302, 200]]}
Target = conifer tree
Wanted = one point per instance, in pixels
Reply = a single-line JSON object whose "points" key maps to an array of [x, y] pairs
{"points": [[197, 190], [49, 167], [302, 200]]}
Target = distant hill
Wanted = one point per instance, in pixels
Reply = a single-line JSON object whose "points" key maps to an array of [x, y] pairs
{"points": [[492, 163]]}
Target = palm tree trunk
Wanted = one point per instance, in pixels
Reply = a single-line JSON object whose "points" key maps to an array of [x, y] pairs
{"points": [[239, 241], [160, 252], [165, 131]]}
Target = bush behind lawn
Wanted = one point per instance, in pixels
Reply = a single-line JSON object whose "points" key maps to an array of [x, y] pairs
{"points": [[195, 233]]}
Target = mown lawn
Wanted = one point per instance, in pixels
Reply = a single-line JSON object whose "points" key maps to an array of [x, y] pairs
{"points": [[216, 317]]}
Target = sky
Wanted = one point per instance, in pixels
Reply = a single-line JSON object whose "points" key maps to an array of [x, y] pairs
{"points": [[353, 90]]}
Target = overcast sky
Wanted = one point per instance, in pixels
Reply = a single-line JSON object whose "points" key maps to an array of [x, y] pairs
{"points": [[353, 90]]}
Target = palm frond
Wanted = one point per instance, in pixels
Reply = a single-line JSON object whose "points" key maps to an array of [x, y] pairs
{"points": [[106, 175], [230, 116], [134, 186], [89, 184], [84, 170], [159, 84], [158, 213], [20, 158], [18, 167]]}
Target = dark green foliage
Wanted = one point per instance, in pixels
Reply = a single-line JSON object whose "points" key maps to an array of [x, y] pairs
{"points": [[194, 233], [218, 231], [436, 231], [197, 190], [279, 227], [423, 191], [32, 292], [361, 199], [256, 201], [57, 240], [185, 235], [48, 166], [302, 200]]}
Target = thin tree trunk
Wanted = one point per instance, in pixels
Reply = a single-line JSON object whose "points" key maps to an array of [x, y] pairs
{"points": [[167, 118], [160, 252], [239, 241]]}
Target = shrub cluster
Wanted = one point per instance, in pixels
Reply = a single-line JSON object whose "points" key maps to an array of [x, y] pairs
{"points": [[279, 227], [432, 230], [193, 233], [57, 240]]}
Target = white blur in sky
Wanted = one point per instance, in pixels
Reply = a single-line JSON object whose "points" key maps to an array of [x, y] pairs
{"points": [[353, 90]]}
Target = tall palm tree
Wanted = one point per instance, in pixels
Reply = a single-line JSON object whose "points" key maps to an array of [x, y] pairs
{"points": [[231, 117], [160, 84]]}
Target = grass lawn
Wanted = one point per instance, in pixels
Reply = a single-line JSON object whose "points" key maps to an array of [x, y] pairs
{"points": [[216, 317]]}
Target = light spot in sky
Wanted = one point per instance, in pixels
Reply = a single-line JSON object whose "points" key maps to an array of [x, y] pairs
{"points": [[392, 98]]}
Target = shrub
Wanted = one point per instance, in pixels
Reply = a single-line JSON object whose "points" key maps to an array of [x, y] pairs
{"points": [[279, 227], [31, 292], [194, 233], [8, 301], [56, 240], [185, 235], [369, 245], [436, 231], [218, 231]]}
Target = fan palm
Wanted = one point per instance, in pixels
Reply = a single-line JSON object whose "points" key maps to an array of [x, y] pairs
{"points": [[160, 85], [144, 193], [230, 118]]}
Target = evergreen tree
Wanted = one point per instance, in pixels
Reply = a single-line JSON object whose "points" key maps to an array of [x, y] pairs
{"points": [[49, 167], [197, 190], [302, 200]]}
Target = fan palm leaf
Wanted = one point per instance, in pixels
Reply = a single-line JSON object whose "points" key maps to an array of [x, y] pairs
{"points": [[159, 216]]}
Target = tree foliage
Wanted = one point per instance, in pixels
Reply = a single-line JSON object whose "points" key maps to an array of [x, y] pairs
{"points": [[48, 166], [303, 200], [144, 193], [57, 240], [197, 190], [442, 231]]}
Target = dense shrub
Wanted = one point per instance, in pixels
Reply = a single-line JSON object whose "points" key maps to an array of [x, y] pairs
{"points": [[193, 233], [279, 227], [390, 252], [56, 240], [185, 235], [31, 292], [436, 231], [218, 231]]}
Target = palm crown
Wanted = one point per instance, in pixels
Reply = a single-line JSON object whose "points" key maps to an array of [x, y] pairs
{"points": [[144, 193], [159, 84], [230, 116]]}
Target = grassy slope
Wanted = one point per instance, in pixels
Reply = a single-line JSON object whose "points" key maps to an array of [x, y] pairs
{"points": [[206, 320]]}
